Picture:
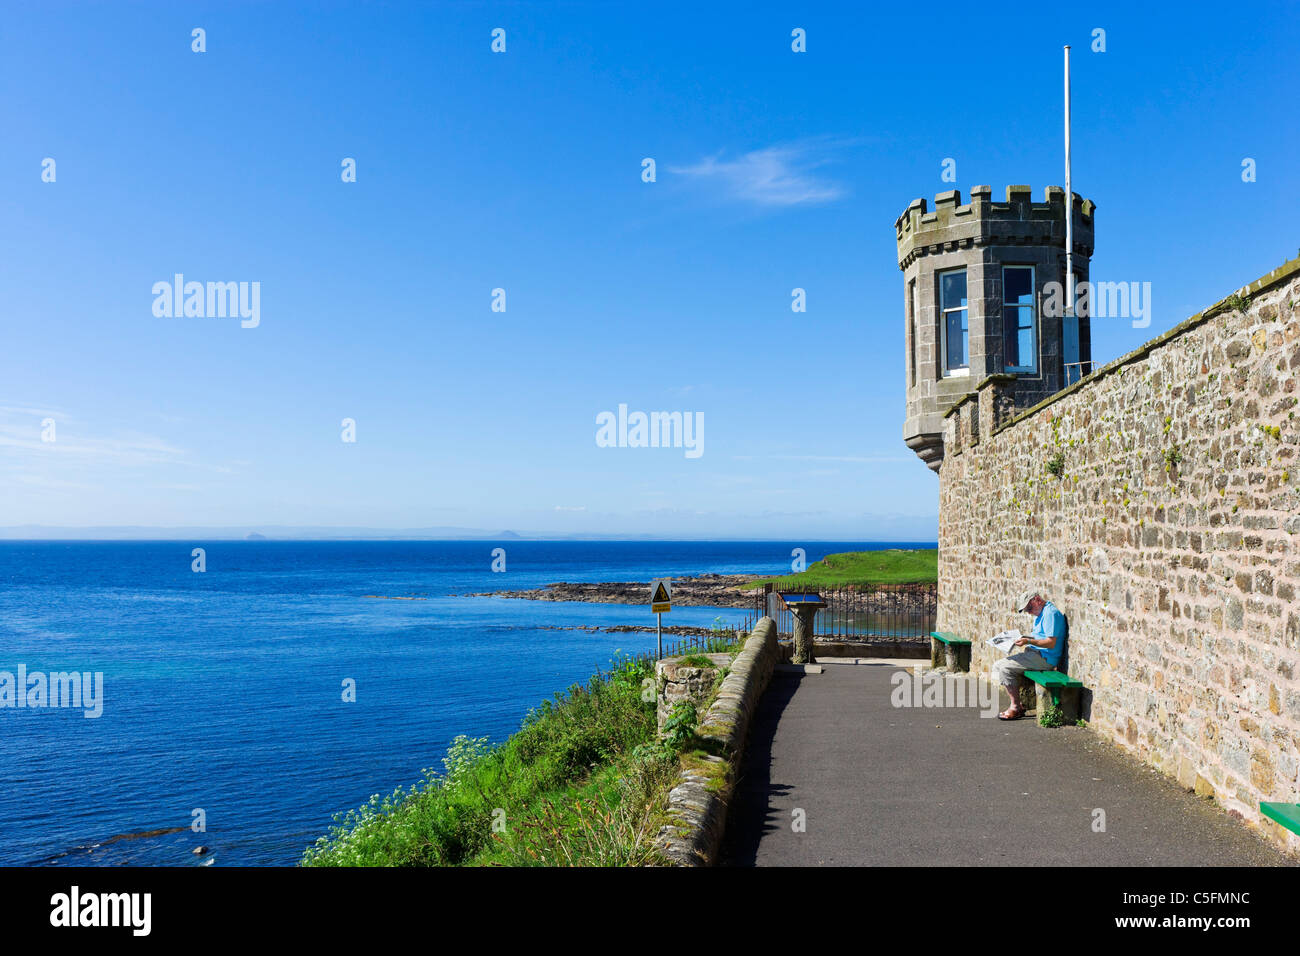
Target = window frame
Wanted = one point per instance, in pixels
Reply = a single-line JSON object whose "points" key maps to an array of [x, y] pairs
{"points": [[1034, 323], [911, 331], [943, 323]]}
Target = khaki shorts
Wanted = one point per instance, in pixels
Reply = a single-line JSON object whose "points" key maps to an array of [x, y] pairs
{"points": [[1008, 670]]}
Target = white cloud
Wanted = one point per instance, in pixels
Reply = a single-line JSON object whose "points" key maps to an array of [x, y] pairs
{"points": [[78, 447], [127, 449], [774, 176]]}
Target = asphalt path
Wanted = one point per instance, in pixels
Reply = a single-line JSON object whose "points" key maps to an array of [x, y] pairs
{"points": [[835, 775]]}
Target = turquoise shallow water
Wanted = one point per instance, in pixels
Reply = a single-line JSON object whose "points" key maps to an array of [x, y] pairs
{"points": [[222, 690]]}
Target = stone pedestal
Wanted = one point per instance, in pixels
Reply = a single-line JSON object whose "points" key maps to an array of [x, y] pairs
{"points": [[1038, 699], [1067, 698], [954, 657], [1028, 698], [803, 634]]}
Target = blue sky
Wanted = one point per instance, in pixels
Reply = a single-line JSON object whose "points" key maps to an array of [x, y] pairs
{"points": [[522, 171]]}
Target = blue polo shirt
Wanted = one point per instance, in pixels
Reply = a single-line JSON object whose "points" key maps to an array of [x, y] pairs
{"points": [[1050, 623]]}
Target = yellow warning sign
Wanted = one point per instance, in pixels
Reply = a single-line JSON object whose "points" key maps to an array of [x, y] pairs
{"points": [[661, 595]]}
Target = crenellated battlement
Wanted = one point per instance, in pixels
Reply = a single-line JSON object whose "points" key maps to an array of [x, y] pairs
{"points": [[981, 222], [954, 260]]}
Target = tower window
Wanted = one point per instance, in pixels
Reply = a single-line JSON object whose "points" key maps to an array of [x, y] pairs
{"points": [[1019, 319], [953, 324], [911, 328]]}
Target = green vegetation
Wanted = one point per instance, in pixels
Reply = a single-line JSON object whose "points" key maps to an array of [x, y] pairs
{"points": [[696, 660], [1052, 716], [680, 726], [1056, 464], [864, 569], [583, 782], [1238, 303]]}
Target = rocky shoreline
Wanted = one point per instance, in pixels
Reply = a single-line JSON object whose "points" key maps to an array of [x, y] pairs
{"points": [[677, 630], [723, 590], [704, 590]]}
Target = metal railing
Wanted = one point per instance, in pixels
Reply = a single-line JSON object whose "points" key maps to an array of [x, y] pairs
{"points": [[895, 612], [719, 639], [1074, 371]]}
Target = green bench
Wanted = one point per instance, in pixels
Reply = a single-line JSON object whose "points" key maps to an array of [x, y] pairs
{"points": [[1062, 689], [950, 651], [1286, 814]]}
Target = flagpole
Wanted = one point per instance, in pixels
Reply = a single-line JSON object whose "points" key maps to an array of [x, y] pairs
{"points": [[1069, 198]]}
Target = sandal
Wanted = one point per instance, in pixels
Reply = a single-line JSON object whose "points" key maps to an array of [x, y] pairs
{"points": [[1015, 714]]}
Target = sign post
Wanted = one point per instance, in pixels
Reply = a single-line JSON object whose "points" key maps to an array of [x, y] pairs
{"points": [[661, 597]]}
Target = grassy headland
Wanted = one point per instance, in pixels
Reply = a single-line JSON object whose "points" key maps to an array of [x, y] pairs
{"points": [[863, 569], [584, 782]]}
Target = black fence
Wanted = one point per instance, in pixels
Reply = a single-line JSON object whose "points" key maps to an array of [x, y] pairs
{"points": [[719, 639], [897, 612]]}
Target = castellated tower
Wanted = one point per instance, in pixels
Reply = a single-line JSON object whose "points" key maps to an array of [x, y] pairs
{"points": [[983, 296]]}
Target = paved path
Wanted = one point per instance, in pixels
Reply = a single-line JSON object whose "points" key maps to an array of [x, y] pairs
{"points": [[921, 786]]}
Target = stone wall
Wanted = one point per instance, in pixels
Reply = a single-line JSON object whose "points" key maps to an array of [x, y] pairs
{"points": [[1157, 503], [697, 805], [681, 683]]}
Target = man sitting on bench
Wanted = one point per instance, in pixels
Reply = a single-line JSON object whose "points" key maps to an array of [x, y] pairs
{"points": [[1047, 642]]}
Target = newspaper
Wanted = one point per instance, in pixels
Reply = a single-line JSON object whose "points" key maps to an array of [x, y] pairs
{"points": [[1006, 641]]}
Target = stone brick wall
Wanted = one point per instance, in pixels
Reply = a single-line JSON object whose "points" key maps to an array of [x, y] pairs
{"points": [[1170, 539], [680, 683]]}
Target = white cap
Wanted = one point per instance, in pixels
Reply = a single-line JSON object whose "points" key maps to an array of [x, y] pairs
{"points": [[1022, 602]]}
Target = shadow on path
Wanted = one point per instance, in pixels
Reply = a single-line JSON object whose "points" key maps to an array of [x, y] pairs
{"points": [[750, 815]]}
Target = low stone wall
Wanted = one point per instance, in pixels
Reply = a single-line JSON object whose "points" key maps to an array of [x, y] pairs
{"points": [[1157, 503], [697, 806]]}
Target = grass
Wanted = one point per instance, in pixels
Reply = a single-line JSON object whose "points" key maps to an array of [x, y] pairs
{"points": [[552, 792], [696, 660], [864, 569], [1052, 716], [584, 782]]}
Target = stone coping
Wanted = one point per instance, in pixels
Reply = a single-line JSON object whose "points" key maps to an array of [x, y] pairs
{"points": [[697, 805], [1281, 274]]}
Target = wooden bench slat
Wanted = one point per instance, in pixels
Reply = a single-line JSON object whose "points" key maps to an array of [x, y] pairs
{"points": [[1053, 679], [948, 638], [1287, 814]]}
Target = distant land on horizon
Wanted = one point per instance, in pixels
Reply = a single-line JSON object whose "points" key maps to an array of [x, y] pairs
{"points": [[314, 533]]}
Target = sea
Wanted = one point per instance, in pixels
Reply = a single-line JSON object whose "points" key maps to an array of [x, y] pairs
{"points": [[243, 706]]}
